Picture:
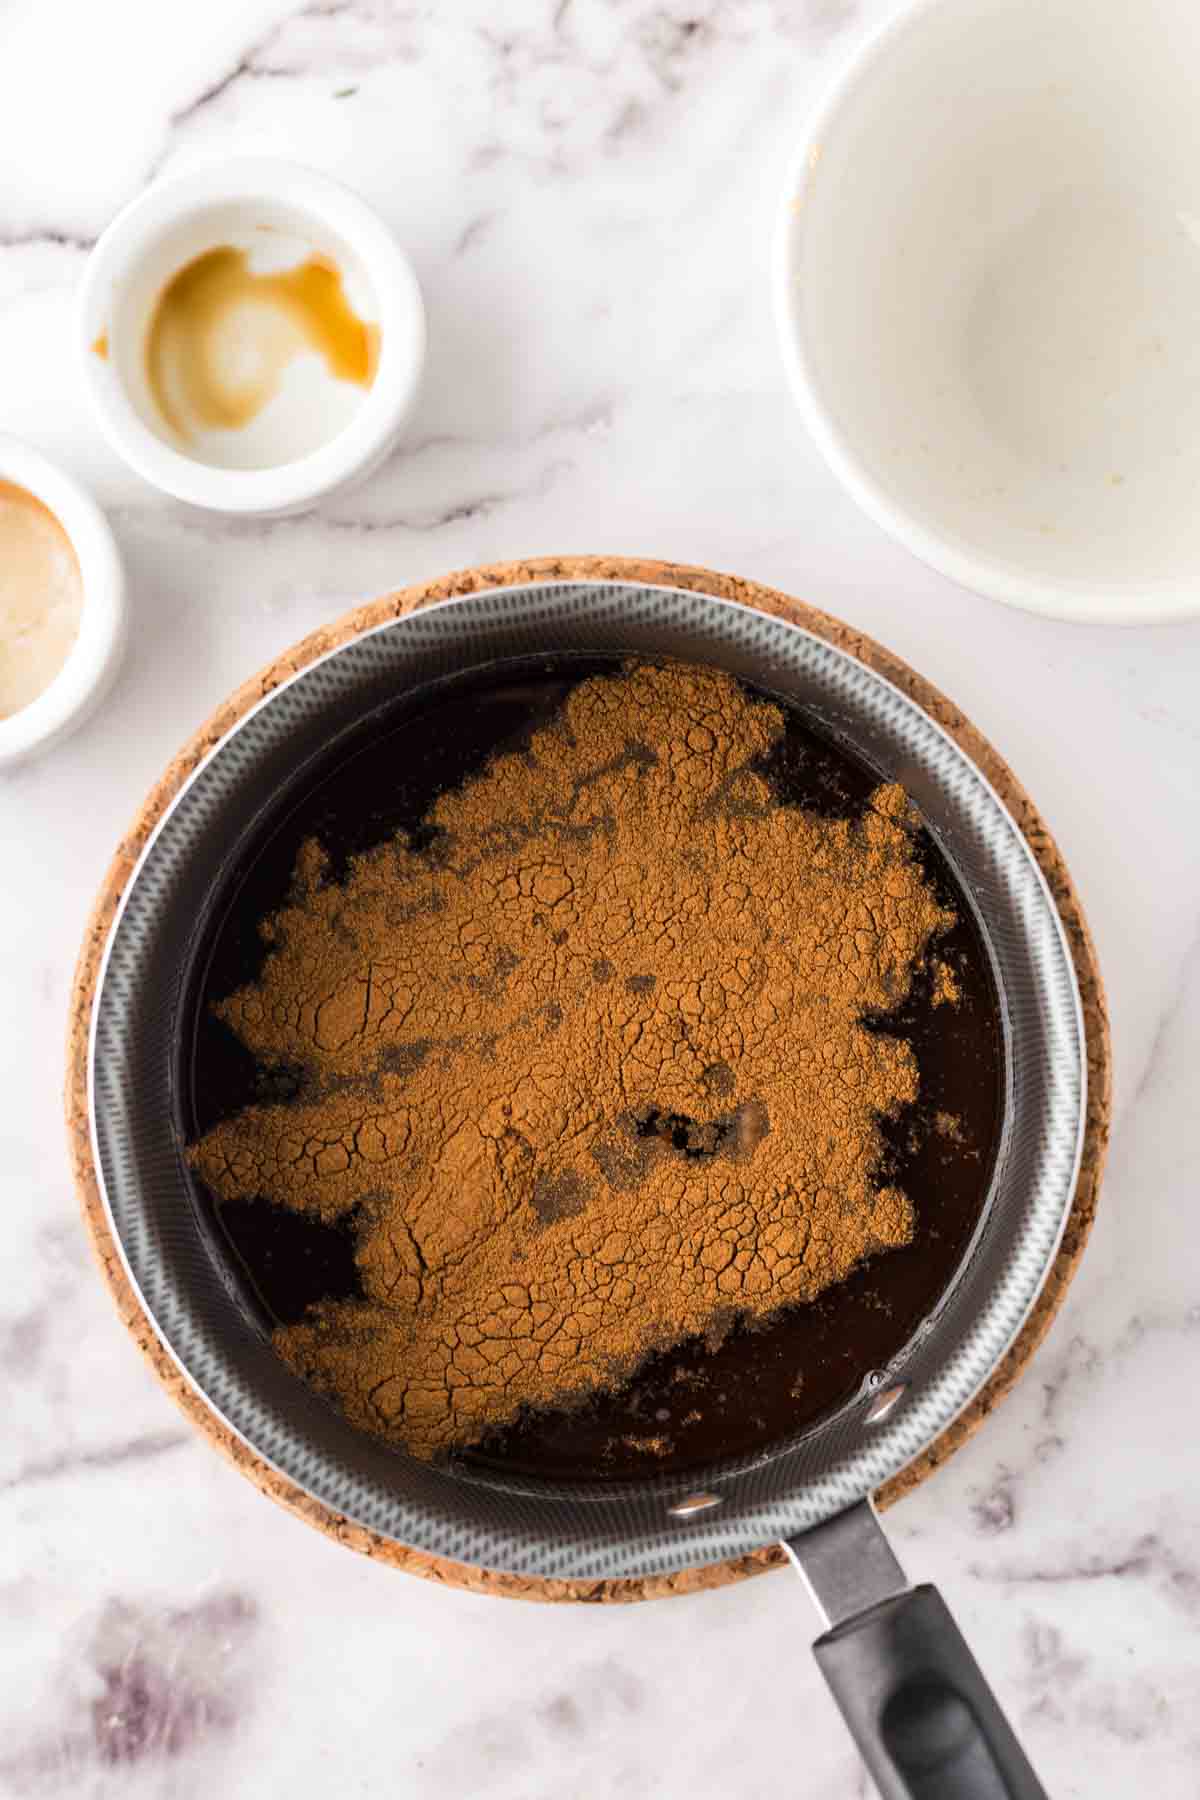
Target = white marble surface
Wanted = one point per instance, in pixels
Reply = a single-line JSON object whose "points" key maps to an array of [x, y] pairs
{"points": [[586, 188]]}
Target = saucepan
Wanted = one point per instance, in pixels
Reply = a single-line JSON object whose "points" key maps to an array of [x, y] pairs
{"points": [[915, 1700]]}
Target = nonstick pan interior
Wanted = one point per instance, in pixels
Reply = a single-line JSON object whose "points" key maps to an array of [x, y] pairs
{"points": [[502, 1511], [733, 1391]]}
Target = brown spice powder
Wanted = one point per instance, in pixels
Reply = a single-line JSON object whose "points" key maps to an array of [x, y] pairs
{"points": [[593, 1070], [947, 989]]}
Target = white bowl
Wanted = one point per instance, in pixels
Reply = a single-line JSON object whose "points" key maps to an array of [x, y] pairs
{"points": [[94, 657], [179, 219], [987, 285]]}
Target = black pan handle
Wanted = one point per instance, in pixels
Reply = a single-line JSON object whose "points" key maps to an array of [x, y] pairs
{"points": [[925, 1721]]}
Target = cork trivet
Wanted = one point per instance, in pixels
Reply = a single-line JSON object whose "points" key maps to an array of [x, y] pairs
{"points": [[586, 568]]}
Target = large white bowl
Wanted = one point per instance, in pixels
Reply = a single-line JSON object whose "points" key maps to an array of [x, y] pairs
{"points": [[987, 281]]}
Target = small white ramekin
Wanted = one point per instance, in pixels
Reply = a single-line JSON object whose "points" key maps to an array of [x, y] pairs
{"points": [[94, 657], [177, 219]]}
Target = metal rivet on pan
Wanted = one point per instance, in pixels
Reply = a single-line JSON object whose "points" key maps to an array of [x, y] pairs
{"points": [[884, 1404], [695, 1503]]}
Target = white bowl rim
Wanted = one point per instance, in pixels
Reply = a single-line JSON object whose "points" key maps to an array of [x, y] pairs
{"points": [[397, 294], [92, 659], [1081, 603]]}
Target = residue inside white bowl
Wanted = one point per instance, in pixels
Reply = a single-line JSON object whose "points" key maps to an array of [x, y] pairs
{"points": [[259, 352], [41, 597]]}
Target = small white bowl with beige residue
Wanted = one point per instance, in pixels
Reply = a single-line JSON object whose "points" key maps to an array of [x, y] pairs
{"points": [[62, 603], [252, 336]]}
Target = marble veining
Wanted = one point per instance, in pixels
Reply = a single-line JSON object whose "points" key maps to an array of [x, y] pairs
{"points": [[142, 1685], [587, 189]]}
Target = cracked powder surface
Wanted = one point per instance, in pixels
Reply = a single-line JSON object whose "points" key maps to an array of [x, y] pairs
{"points": [[592, 1070]]}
